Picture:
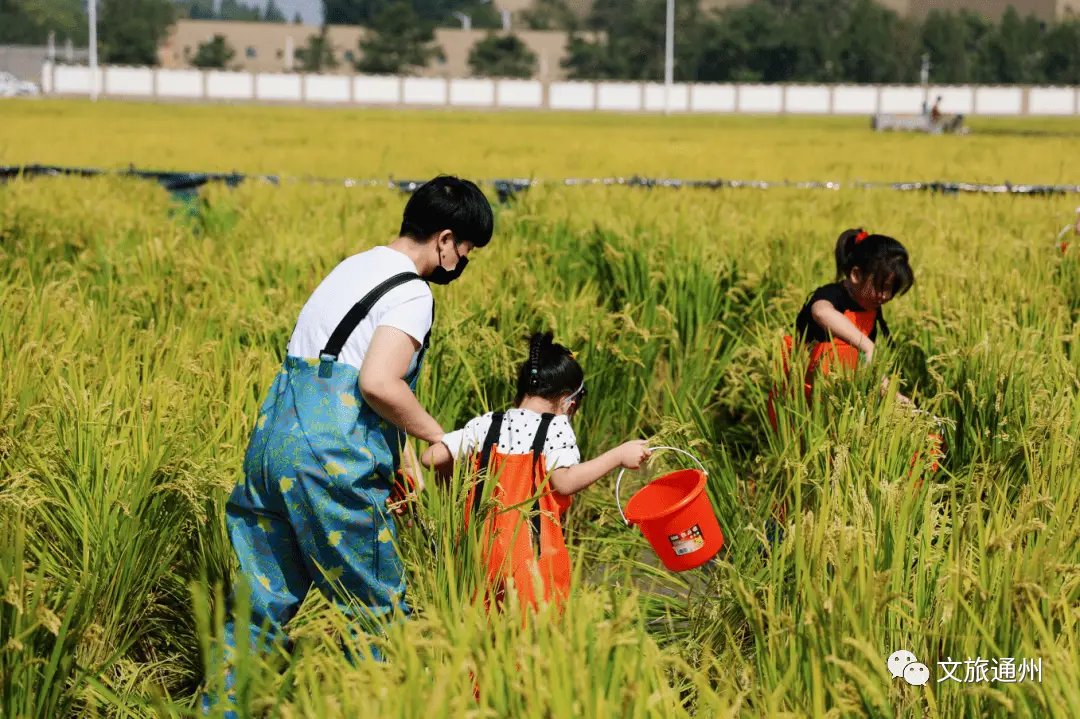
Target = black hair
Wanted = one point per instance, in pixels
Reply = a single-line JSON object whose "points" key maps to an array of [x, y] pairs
{"points": [[448, 203], [550, 371], [878, 256]]}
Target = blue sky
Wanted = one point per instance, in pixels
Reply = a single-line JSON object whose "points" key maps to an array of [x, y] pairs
{"points": [[310, 10]]}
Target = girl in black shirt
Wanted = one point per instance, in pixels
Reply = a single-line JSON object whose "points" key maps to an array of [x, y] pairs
{"points": [[841, 321]]}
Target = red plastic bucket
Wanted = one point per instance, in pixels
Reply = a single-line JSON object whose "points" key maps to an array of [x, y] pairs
{"points": [[676, 517]]}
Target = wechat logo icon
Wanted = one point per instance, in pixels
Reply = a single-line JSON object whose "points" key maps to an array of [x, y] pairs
{"points": [[903, 664]]}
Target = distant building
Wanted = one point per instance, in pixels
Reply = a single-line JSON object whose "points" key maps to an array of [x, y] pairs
{"points": [[263, 47], [1045, 10]]}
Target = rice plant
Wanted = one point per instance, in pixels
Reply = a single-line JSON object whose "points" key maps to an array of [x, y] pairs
{"points": [[137, 342]]}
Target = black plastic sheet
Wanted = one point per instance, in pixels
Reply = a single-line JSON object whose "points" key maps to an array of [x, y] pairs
{"points": [[183, 184]]}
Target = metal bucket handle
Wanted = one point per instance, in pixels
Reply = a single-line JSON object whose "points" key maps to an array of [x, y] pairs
{"points": [[618, 481]]}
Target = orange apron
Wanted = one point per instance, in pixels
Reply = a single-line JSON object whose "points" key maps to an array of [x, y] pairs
{"points": [[823, 355], [524, 535]]}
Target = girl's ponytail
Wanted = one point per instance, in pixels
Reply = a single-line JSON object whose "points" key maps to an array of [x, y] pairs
{"points": [[550, 371], [538, 341], [845, 251], [878, 256]]}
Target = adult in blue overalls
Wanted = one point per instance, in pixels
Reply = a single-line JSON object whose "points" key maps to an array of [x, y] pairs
{"points": [[311, 508]]}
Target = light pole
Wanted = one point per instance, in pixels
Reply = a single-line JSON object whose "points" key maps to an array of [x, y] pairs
{"points": [[669, 56], [924, 80], [93, 49]]}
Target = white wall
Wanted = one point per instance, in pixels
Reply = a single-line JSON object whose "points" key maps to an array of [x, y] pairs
{"points": [[424, 91], [230, 85], [282, 88], [129, 81], [1052, 101], [625, 96], [572, 96], [713, 98], [47, 77], [678, 100], [326, 88], [999, 100], [472, 93], [520, 93], [759, 99], [74, 80], [377, 90], [180, 83], [808, 99], [901, 99], [854, 100]]}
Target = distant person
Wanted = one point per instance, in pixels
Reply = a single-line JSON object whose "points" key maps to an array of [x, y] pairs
{"points": [[935, 112], [311, 508], [532, 451], [1062, 238]]}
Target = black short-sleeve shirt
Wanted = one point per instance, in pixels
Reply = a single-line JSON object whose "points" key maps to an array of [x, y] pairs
{"points": [[837, 295]]}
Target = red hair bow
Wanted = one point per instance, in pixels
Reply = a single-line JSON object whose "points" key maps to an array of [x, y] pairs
{"points": [[861, 236]]}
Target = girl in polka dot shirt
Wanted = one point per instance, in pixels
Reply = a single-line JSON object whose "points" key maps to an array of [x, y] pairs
{"points": [[531, 452]]}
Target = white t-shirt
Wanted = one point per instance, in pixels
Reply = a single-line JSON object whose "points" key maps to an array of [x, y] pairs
{"points": [[408, 307], [516, 436]]}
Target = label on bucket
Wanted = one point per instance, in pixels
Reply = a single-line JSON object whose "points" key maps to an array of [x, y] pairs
{"points": [[687, 541]]}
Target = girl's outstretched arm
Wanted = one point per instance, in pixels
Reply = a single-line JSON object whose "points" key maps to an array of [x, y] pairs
{"points": [[439, 457], [841, 327], [571, 480]]}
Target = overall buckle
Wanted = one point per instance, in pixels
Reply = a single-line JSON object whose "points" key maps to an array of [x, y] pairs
{"points": [[326, 366]]}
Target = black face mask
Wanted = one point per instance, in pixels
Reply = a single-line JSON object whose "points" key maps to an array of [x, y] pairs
{"points": [[442, 276]]}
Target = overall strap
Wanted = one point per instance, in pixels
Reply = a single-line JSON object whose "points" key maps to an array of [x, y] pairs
{"points": [[360, 310], [490, 442], [427, 340], [537, 453]]}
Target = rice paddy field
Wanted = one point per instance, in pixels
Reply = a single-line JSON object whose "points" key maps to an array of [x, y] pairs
{"points": [[137, 339]]}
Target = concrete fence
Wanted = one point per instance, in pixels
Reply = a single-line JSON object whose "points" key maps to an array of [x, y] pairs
{"points": [[365, 90]]}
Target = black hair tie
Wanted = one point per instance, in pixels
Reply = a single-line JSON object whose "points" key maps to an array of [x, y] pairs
{"points": [[534, 363]]}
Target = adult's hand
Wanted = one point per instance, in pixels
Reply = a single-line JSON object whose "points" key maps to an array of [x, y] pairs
{"points": [[411, 483], [384, 389], [410, 465]]}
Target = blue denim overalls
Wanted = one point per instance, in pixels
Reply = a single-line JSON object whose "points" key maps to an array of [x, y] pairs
{"points": [[317, 475]]}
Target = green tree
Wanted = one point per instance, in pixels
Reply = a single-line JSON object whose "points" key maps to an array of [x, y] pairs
{"points": [[229, 10], [630, 41], [236, 11], [550, 15], [876, 47], [438, 13], [944, 38], [28, 22], [1061, 53], [318, 54], [502, 56], [273, 13], [297, 20], [1012, 53], [130, 31], [397, 42], [747, 44], [978, 33], [215, 53]]}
